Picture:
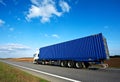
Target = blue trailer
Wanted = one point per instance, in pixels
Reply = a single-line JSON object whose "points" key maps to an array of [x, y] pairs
{"points": [[78, 53]]}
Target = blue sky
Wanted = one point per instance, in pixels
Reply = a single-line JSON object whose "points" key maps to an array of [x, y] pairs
{"points": [[26, 25]]}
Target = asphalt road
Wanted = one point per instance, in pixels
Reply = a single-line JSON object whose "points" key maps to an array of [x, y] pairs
{"points": [[62, 74]]}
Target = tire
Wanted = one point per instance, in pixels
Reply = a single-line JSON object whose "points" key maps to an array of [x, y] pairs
{"points": [[63, 63], [35, 61], [70, 64], [86, 64], [79, 65], [43, 62]]}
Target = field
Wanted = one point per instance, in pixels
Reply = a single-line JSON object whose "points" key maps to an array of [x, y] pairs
{"points": [[11, 74], [112, 62], [21, 59]]}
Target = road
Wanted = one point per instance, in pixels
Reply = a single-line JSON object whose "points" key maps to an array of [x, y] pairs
{"points": [[63, 74]]}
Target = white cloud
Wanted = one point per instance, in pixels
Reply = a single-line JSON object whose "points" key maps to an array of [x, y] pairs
{"points": [[35, 2], [3, 3], [46, 9], [2, 22], [114, 51], [64, 5], [13, 47], [55, 36], [13, 50]]}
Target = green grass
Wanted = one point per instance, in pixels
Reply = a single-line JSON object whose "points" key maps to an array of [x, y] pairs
{"points": [[12, 74]]}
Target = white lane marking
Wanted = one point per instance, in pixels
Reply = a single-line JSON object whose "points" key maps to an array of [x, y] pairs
{"points": [[61, 77]]}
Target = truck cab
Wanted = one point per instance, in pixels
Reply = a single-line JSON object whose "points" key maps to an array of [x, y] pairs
{"points": [[36, 57]]}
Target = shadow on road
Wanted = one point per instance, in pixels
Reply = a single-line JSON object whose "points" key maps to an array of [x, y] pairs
{"points": [[93, 68]]}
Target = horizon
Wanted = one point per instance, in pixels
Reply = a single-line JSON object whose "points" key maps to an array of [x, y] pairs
{"points": [[26, 26]]}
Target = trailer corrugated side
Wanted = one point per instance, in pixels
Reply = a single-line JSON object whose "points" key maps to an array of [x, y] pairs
{"points": [[91, 48]]}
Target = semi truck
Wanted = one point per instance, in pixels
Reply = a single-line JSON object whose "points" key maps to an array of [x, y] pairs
{"points": [[79, 53]]}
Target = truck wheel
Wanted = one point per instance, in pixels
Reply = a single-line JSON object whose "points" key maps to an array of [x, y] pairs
{"points": [[70, 64], [63, 63], [86, 64], [43, 62], [35, 62], [79, 65]]}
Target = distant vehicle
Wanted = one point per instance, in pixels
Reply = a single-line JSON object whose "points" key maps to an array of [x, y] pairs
{"points": [[79, 53]]}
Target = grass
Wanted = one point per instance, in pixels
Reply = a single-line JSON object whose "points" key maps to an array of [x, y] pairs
{"points": [[12, 74]]}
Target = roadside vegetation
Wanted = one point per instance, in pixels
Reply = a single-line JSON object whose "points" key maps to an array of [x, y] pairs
{"points": [[12, 74], [113, 62]]}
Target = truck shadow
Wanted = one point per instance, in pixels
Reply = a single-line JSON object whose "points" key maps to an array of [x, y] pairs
{"points": [[93, 68]]}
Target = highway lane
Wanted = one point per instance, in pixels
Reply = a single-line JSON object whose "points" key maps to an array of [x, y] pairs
{"points": [[69, 74]]}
